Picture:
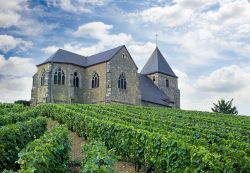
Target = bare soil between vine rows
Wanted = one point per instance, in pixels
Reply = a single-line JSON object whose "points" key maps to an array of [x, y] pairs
{"points": [[77, 155]]}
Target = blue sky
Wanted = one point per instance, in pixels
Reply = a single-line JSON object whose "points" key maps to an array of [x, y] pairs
{"points": [[206, 42]]}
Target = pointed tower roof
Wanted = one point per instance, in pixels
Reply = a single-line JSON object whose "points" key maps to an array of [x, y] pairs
{"points": [[157, 64]]}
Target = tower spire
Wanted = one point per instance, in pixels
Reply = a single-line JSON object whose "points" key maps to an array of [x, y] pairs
{"points": [[156, 41]]}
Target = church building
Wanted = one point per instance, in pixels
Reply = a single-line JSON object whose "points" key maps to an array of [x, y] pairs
{"points": [[107, 77]]}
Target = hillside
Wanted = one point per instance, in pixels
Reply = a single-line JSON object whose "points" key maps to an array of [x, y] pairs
{"points": [[156, 139]]}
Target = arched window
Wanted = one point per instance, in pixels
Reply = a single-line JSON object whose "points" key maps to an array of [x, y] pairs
{"points": [[153, 78], [95, 80], [59, 77], [75, 80], [167, 83], [122, 83], [43, 78]]}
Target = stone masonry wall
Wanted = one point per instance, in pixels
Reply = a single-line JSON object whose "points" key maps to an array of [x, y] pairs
{"points": [[55, 93], [95, 95], [66, 93], [34, 89], [40, 94], [123, 63], [172, 91]]}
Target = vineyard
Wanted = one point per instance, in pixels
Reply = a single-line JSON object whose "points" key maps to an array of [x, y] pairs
{"points": [[155, 139]]}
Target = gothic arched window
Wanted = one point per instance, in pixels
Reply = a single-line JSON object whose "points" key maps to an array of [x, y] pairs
{"points": [[95, 80], [43, 78], [59, 77], [167, 83], [122, 83], [75, 80]]}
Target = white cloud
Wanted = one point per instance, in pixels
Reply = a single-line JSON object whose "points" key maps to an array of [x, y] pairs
{"points": [[75, 48], [97, 30], [13, 5], [8, 19], [75, 6], [227, 79], [102, 32], [140, 52], [85, 51], [179, 13], [93, 29], [16, 67], [226, 82], [198, 47], [10, 12], [50, 49], [10, 92], [199, 31], [230, 14], [23, 18], [8, 42], [16, 78]]}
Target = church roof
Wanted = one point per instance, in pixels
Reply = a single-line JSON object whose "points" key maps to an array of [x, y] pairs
{"points": [[157, 64], [63, 56], [103, 56], [150, 92]]}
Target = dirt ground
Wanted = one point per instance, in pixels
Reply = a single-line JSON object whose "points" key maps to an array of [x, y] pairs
{"points": [[76, 154]]}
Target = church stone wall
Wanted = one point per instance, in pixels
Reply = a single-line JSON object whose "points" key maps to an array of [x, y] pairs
{"points": [[123, 63], [95, 95], [54, 93], [75, 94], [172, 91], [60, 93], [40, 92], [34, 90]]}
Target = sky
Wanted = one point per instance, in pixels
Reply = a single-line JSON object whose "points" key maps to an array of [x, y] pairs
{"points": [[206, 42]]}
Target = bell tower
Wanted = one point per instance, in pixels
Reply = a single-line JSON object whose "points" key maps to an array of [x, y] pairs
{"points": [[159, 71]]}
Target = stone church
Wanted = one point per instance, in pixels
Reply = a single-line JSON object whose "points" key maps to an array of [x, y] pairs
{"points": [[107, 77]]}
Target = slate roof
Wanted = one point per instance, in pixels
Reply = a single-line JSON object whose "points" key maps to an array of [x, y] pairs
{"points": [[157, 63], [103, 56], [151, 93], [63, 56]]}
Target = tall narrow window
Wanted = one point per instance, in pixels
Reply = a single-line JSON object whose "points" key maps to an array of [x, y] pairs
{"points": [[95, 80], [153, 78], [122, 83], [75, 80], [59, 77], [167, 83], [43, 78]]}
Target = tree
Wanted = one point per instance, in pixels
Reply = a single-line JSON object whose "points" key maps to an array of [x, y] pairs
{"points": [[225, 107], [24, 102]]}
